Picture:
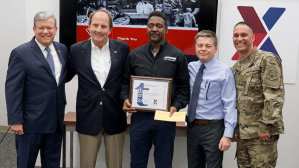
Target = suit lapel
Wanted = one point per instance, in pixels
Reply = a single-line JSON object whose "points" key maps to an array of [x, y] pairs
{"points": [[86, 54], [114, 56], [60, 56], [40, 56]]}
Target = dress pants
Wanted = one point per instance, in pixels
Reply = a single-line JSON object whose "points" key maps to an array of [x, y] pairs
{"points": [[49, 145], [144, 132], [90, 145], [202, 145]]}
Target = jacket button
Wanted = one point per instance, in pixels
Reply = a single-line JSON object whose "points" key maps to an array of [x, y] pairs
{"points": [[101, 103], [103, 90]]}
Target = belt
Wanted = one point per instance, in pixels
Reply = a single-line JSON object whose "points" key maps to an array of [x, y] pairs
{"points": [[200, 122]]}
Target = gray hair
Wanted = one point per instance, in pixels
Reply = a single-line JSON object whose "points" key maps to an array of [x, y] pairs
{"points": [[43, 15], [207, 33]]}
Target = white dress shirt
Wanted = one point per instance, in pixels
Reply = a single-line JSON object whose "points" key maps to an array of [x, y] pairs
{"points": [[100, 62], [56, 59]]}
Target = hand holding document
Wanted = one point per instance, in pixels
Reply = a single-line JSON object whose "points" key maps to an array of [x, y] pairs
{"points": [[164, 116]]}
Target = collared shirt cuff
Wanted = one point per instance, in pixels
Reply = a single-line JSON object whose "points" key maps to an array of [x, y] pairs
{"points": [[228, 133]]}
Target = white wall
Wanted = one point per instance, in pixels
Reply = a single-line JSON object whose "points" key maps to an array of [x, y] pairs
{"points": [[12, 34], [16, 28]]}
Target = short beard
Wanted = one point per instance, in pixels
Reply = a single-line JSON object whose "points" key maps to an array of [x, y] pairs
{"points": [[158, 41]]}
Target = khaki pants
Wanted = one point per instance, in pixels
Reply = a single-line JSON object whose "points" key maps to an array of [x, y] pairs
{"points": [[90, 145]]}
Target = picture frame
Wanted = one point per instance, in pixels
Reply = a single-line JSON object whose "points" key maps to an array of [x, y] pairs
{"points": [[149, 94]]}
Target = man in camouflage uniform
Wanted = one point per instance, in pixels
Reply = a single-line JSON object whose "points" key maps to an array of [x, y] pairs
{"points": [[260, 97]]}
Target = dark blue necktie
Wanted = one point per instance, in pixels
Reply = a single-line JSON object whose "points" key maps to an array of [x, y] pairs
{"points": [[50, 60], [195, 94]]}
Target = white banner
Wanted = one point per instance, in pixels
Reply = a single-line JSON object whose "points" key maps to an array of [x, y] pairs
{"points": [[275, 28]]}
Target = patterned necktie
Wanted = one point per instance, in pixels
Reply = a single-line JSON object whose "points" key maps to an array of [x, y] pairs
{"points": [[195, 94], [50, 60]]}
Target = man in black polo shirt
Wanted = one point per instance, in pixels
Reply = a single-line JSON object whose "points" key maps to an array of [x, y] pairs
{"points": [[155, 59]]}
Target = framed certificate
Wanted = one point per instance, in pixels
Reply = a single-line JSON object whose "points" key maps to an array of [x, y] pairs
{"points": [[150, 94]]}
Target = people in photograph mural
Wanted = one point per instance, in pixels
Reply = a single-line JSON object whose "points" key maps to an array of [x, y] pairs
{"points": [[180, 13]]}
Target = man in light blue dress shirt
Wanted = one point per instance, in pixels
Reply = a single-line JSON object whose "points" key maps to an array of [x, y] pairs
{"points": [[211, 130]]}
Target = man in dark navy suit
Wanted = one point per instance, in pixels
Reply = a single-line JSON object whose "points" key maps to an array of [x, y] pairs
{"points": [[99, 64], [35, 94]]}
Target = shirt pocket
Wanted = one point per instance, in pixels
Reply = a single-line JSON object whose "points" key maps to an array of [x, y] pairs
{"points": [[213, 91], [167, 69], [253, 82]]}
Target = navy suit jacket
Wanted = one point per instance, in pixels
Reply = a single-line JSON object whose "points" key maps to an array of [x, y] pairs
{"points": [[33, 97], [99, 106]]}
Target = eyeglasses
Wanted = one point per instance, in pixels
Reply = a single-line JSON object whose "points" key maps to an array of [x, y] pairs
{"points": [[43, 28]]}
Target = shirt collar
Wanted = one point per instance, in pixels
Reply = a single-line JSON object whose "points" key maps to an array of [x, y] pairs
{"points": [[106, 46], [161, 45], [251, 56], [42, 47], [208, 65], [248, 60]]}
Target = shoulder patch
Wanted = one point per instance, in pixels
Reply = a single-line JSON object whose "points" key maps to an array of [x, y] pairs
{"points": [[272, 75]]}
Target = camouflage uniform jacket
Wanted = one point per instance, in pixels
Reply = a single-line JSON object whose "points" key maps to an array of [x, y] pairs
{"points": [[260, 94]]}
